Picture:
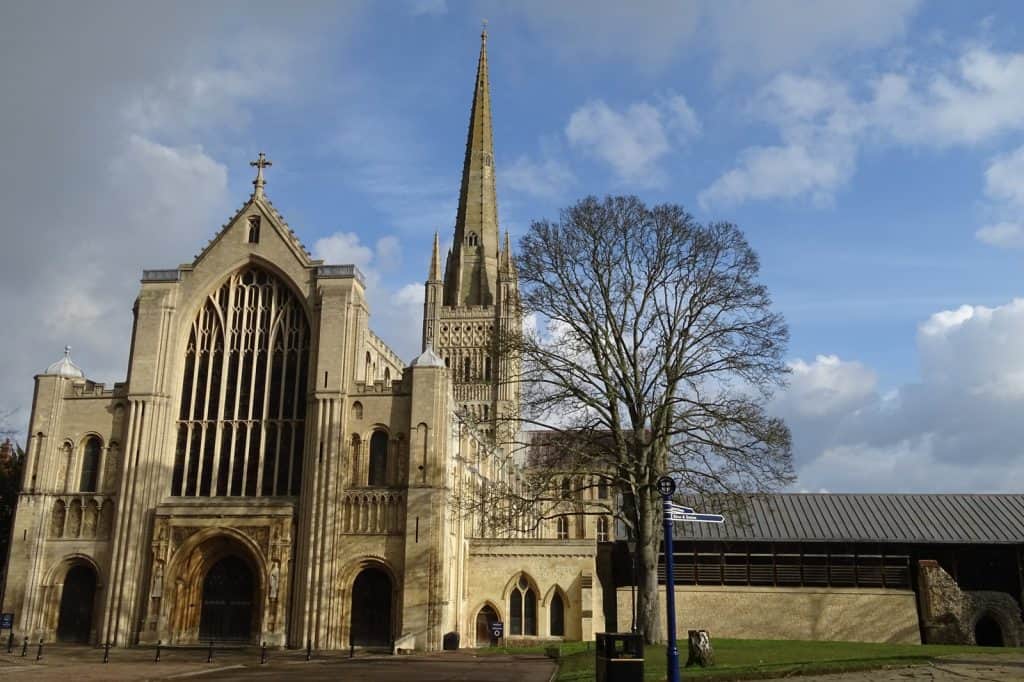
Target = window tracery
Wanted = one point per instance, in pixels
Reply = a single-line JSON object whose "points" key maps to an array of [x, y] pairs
{"points": [[523, 608], [243, 398]]}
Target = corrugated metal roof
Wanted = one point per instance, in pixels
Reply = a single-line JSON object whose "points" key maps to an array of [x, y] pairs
{"points": [[844, 517]]}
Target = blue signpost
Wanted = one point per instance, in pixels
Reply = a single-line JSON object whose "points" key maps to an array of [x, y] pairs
{"points": [[672, 513]]}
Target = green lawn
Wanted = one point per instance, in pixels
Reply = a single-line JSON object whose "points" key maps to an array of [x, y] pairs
{"points": [[753, 659]]}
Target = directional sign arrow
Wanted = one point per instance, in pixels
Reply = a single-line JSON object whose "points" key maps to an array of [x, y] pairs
{"points": [[697, 518]]}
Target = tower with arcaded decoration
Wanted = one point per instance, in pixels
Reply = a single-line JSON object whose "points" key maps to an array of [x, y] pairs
{"points": [[476, 303]]}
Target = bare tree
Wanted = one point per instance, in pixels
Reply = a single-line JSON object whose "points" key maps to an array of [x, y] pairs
{"points": [[654, 352]]}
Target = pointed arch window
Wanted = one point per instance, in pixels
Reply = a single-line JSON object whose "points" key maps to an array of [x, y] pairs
{"points": [[378, 473], [556, 611], [253, 235], [472, 239], [562, 528], [90, 465], [523, 609], [602, 529], [243, 396]]}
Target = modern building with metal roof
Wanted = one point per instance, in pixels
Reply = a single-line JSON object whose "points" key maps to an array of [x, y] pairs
{"points": [[884, 518], [937, 568]]}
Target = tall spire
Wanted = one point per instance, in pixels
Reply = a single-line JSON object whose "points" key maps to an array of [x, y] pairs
{"points": [[472, 272], [435, 262]]}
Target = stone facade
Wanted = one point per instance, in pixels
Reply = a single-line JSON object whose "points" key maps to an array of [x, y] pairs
{"points": [[808, 613], [271, 471], [950, 615]]}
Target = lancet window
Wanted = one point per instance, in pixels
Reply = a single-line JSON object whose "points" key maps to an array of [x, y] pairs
{"points": [[90, 465], [378, 474], [523, 608], [243, 397]]}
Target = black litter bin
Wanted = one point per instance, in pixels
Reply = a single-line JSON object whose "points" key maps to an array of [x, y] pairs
{"points": [[620, 657]]}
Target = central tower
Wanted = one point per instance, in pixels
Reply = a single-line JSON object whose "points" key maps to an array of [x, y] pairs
{"points": [[478, 300]]}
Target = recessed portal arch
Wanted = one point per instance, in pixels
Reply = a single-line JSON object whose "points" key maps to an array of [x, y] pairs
{"points": [[372, 608], [987, 632], [214, 588], [77, 598], [486, 617]]}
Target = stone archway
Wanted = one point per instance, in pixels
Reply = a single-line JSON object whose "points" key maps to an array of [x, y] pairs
{"points": [[485, 618], [215, 589], [228, 612], [77, 599], [987, 632], [372, 608]]}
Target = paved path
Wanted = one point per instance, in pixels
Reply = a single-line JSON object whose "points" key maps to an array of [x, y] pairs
{"points": [[84, 664], [960, 668]]}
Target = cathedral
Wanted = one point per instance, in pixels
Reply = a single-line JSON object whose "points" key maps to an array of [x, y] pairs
{"points": [[271, 471]]}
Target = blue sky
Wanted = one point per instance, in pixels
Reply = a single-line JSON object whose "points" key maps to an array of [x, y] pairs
{"points": [[873, 152]]}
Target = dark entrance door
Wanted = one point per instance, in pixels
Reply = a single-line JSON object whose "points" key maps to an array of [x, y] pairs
{"points": [[75, 620], [484, 620], [227, 601], [371, 608], [988, 633]]}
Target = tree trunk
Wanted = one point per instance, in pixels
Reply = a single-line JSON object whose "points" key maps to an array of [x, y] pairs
{"points": [[648, 609], [700, 651]]}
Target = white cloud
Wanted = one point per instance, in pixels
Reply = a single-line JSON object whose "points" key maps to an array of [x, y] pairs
{"points": [[389, 253], [822, 127], [1004, 179], [957, 427], [408, 295], [344, 248], [1005, 235], [634, 140], [1004, 187], [783, 172], [975, 100], [548, 179], [113, 160], [976, 349], [829, 385], [819, 125]]}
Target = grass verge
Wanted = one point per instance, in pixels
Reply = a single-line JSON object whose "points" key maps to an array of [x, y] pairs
{"points": [[748, 659]]}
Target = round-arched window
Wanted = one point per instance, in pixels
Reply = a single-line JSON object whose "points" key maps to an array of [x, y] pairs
{"points": [[90, 465]]}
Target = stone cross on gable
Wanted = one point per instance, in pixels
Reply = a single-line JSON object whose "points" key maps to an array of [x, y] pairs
{"points": [[260, 163]]}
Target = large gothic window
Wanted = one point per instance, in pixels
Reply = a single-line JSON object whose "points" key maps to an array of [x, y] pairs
{"points": [[243, 397]]}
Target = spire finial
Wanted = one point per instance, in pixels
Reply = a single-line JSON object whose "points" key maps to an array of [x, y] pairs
{"points": [[67, 351], [483, 30], [435, 261], [259, 164]]}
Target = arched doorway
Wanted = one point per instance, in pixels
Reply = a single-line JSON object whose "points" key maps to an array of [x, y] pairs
{"points": [[228, 591], [371, 608], [987, 632], [484, 620], [74, 622]]}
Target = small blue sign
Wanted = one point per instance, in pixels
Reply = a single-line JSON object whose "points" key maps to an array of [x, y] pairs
{"points": [[6, 621], [497, 629]]}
